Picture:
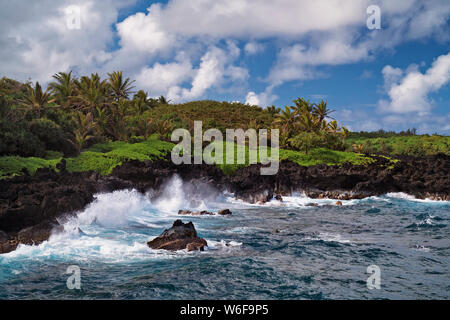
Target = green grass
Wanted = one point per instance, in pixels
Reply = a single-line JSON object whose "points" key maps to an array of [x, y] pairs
{"points": [[314, 157], [11, 166], [103, 158], [324, 156], [404, 145]]}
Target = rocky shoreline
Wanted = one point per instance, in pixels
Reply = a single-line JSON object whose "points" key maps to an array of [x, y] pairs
{"points": [[31, 205]]}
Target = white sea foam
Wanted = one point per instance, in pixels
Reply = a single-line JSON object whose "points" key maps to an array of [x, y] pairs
{"points": [[405, 196], [298, 200], [112, 209], [421, 248], [218, 245], [328, 237], [106, 229]]}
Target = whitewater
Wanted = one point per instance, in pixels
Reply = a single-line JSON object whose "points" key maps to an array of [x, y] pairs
{"points": [[278, 250]]}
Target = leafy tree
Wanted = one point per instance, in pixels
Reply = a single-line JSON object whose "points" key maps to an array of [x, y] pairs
{"points": [[305, 141], [49, 133]]}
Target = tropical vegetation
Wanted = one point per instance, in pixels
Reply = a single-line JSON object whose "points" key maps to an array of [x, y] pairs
{"points": [[97, 124]]}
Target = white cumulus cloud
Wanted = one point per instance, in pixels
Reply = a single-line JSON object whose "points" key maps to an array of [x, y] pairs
{"points": [[409, 91]]}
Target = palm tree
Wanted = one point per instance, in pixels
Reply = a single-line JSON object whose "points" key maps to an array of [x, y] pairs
{"points": [[141, 102], [117, 125], [145, 127], [302, 106], [358, 148], [345, 132], [273, 110], [84, 127], [333, 126], [36, 100], [63, 88], [91, 92], [164, 128], [308, 122], [285, 120], [101, 121], [121, 88], [163, 100], [321, 110], [254, 124]]}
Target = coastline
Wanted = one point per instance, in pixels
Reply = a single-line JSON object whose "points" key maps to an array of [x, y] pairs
{"points": [[31, 205]]}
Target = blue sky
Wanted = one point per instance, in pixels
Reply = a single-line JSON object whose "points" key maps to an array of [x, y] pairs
{"points": [[257, 52]]}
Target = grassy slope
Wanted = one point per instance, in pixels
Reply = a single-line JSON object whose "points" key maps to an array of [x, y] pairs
{"points": [[314, 157], [102, 158], [11, 166], [398, 145], [213, 114]]}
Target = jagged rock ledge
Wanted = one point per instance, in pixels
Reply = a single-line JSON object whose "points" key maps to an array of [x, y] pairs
{"points": [[37, 201]]}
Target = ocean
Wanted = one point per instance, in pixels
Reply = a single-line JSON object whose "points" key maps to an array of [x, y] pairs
{"points": [[279, 250]]}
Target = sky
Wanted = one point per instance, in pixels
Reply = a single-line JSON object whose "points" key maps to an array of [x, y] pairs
{"points": [[393, 75]]}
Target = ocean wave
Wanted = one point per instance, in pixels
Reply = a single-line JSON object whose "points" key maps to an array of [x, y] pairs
{"points": [[297, 200], [408, 197], [328, 237]]}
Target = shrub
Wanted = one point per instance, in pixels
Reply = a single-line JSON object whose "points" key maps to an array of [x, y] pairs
{"points": [[16, 139], [305, 141]]}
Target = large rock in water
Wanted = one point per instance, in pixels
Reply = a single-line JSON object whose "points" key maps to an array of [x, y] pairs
{"points": [[30, 236], [39, 233], [179, 237]]}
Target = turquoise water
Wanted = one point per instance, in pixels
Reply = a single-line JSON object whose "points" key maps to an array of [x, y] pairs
{"points": [[320, 252]]}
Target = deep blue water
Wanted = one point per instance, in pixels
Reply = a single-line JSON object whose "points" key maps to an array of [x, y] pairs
{"points": [[320, 252]]}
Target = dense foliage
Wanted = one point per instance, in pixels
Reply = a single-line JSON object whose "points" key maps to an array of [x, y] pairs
{"points": [[96, 124]]}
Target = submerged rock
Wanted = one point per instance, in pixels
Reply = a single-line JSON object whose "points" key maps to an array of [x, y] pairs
{"points": [[28, 200], [195, 213], [279, 197], [312, 204], [204, 212], [179, 237]]}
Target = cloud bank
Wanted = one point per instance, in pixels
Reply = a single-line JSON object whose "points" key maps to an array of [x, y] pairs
{"points": [[192, 49]]}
